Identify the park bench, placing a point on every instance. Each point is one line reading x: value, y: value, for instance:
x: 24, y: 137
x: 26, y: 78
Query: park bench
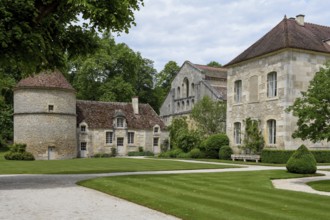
x: 245, y: 157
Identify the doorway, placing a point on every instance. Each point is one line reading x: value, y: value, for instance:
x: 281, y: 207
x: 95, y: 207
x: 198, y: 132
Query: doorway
x: 51, y: 153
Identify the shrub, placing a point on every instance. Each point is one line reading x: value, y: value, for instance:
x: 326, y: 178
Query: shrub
x: 276, y: 156
x: 187, y: 140
x: 196, y: 153
x: 213, y: 143
x: 302, y: 161
x: 225, y: 153
x: 139, y: 153
x: 101, y: 155
x: 17, y: 152
x: 183, y: 155
x: 175, y: 152
x: 140, y: 149
x: 113, y: 152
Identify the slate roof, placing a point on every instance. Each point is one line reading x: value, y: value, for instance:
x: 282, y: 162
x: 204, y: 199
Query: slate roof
x: 100, y: 115
x: 47, y: 79
x: 288, y: 34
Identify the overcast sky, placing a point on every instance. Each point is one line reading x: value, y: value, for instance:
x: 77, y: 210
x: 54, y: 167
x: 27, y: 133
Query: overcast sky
x: 211, y: 30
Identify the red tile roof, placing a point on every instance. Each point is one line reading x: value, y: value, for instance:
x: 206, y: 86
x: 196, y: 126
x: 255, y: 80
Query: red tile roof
x: 100, y: 115
x: 47, y: 79
x: 288, y: 34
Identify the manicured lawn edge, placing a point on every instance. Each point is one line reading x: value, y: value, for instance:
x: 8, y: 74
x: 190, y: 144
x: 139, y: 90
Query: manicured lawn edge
x: 322, y: 185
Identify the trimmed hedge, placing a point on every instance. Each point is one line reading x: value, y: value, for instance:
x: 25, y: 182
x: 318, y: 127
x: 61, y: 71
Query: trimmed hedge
x: 19, y: 156
x: 139, y: 153
x: 212, y: 145
x: 282, y: 156
x: 302, y: 161
x: 225, y: 153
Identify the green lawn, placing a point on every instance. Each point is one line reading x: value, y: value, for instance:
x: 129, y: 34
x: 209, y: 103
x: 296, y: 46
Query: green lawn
x: 322, y: 185
x: 235, y: 195
x: 97, y: 165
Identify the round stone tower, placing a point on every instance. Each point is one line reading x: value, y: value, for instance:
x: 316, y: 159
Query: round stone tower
x: 45, y: 116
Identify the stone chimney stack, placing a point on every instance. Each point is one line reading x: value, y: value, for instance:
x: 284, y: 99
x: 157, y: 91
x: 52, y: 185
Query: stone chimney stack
x: 135, y: 104
x: 300, y: 19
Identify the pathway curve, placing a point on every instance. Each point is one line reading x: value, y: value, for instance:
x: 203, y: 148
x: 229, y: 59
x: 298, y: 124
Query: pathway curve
x: 58, y: 197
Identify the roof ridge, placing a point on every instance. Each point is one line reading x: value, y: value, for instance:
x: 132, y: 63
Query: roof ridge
x: 104, y: 102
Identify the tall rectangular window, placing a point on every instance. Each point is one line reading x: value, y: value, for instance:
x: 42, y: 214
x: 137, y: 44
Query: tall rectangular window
x: 237, y: 132
x: 272, y: 84
x: 238, y: 91
x: 108, y: 137
x: 271, y: 124
x: 83, y: 146
x: 130, y: 136
x: 120, y: 142
x: 120, y: 122
x: 156, y: 140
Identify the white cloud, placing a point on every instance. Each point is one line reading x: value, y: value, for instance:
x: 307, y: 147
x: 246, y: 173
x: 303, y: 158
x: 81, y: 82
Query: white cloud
x: 206, y: 30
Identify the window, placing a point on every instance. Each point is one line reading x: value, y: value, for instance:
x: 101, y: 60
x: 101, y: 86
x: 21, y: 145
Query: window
x: 272, y: 84
x: 156, y: 140
x: 50, y: 108
x: 156, y: 129
x: 192, y: 88
x: 83, y: 146
x: 237, y: 133
x: 271, y: 124
x: 238, y: 91
x: 83, y: 128
x: 253, y: 89
x: 120, y: 122
x: 120, y: 142
x: 130, y: 136
x: 186, y: 84
x: 178, y: 108
x: 178, y: 93
x: 108, y: 137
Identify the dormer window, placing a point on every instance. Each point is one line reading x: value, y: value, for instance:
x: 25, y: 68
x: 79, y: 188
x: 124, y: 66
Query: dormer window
x: 156, y: 129
x: 120, y: 122
x: 83, y: 128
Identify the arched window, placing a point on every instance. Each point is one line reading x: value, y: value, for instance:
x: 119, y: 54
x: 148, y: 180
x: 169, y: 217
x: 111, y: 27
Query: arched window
x: 192, y: 89
x: 178, y: 107
x: 178, y: 93
x: 271, y: 127
x: 237, y: 133
x: 182, y: 105
x: 186, y: 85
x: 272, y: 84
x: 238, y: 91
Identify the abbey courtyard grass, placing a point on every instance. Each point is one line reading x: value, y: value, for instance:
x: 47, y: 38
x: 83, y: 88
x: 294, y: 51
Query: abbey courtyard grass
x: 97, y: 165
x: 322, y: 185
x: 234, y: 195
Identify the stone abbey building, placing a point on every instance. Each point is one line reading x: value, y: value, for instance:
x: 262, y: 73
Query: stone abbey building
x: 54, y: 125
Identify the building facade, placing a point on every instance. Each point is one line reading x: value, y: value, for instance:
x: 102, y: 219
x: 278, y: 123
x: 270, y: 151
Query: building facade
x: 191, y: 84
x: 54, y: 125
x: 267, y: 77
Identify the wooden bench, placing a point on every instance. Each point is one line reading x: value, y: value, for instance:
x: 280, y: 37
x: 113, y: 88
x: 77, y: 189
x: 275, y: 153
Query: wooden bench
x: 245, y: 157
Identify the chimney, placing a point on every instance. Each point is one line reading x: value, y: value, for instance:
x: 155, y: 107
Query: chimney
x: 135, y: 104
x: 300, y: 19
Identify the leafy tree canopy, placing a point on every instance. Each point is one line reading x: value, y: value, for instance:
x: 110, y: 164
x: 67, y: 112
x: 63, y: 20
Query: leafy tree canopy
x: 313, y: 108
x: 210, y: 116
x: 35, y: 34
x: 214, y: 64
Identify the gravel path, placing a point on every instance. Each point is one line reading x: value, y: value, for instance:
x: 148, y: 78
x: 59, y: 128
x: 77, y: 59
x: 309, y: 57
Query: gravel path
x: 58, y: 197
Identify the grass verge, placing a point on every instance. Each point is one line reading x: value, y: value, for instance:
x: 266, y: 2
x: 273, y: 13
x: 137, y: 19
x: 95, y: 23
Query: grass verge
x: 97, y: 165
x: 322, y: 185
x: 235, y: 195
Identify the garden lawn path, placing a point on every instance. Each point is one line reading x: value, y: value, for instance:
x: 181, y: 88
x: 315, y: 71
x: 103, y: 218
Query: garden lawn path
x: 58, y: 197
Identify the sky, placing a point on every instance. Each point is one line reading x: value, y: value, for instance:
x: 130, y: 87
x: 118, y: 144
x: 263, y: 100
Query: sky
x: 211, y: 30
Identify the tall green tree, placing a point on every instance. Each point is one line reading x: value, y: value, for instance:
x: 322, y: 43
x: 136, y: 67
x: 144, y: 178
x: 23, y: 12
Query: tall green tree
x: 313, y: 108
x: 164, y: 79
x: 214, y: 64
x: 36, y: 34
x: 210, y: 116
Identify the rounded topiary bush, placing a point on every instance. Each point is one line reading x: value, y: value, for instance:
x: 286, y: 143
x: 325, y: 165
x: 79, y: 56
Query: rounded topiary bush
x: 225, y: 153
x: 302, y: 161
x: 213, y: 143
x: 196, y: 153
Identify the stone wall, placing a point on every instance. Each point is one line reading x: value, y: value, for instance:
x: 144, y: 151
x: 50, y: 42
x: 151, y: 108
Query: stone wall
x: 294, y: 71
